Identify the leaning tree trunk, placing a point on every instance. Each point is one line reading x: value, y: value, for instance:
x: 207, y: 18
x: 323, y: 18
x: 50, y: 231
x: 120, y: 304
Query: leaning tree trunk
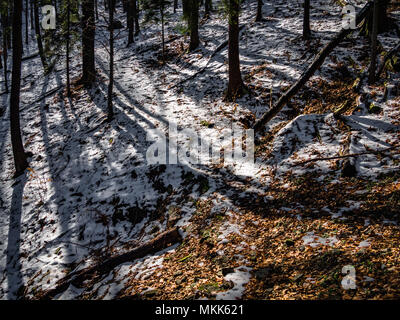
x: 20, y: 160
x: 235, y: 86
x: 39, y: 37
x: 111, y: 79
x: 194, y: 24
x: 374, y: 35
x: 259, y: 10
x: 88, y: 34
x: 306, y: 20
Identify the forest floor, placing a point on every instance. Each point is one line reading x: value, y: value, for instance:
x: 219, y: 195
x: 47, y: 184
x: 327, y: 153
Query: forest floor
x: 275, y: 229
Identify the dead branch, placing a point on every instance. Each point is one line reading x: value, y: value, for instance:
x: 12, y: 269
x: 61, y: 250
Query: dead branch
x: 162, y: 241
x: 352, y: 155
x: 316, y: 64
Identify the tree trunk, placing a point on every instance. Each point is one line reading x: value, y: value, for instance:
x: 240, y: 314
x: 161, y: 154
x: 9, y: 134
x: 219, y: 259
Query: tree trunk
x: 26, y: 22
x: 32, y: 15
x: 39, y: 37
x: 136, y: 16
x: 306, y: 20
x: 374, y: 35
x: 67, y: 47
x: 384, y: 21
x: 207, y: 7
x: 259, y: 10
x: 111, y: 79
x: 88, y: 35
x: 175, y: 5
x: 162, y: 32
x: 235, y: 86
x: 194, y: 24
x: 130, y: 21
x: 5, y: 53
x: 16, y: 140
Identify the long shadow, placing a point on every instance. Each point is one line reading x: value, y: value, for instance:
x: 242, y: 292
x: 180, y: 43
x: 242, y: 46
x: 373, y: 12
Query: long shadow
x: 13, y: 265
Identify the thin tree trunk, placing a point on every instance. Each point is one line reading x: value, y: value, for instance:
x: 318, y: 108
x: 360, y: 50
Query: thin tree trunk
x: 67, y: 49
x: 111, y: 79
x: 374, y: 35
x: 26, y: 22
x: 130, y: 21
x: 194, y: 24
x: 39, y: 37
x: 88, y: 35
x: 32, y: 16
x: 175, y: 5
x: 5, y: 53
x: 20, y: 159
x: 162, y: 32
x: 96, y: 9
x: 207, y: 8
x: 136, y: 16
x: 306, y: 20
x: 235, y: 86
x: 259, y: 10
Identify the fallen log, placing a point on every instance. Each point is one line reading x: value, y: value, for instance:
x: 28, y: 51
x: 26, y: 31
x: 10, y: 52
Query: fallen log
x: 160, y: 242
x: 352, y: 155
x: 316, y: 64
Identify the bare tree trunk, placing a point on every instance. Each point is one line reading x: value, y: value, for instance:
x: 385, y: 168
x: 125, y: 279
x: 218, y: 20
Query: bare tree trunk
x: 194, y: 24
x: 374, y: 35
x: 39, y: 37
x: 306, y: 20
x: 235, y: 86
x: 20, y: 159
x: 26, y: 22
x: 32, y: 16
x: 96, y: 9
x: 88, y: 35
x: 162, y: 32
x: 259, y: 10
x: 111, y: 79
x: 136, y: 16
x: 67, y: 49
x: 130, y: 21
x: 207, y: 8
x: 5, y: 53
x: 175, y: 5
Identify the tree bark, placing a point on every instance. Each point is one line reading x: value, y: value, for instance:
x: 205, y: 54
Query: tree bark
x: 26, y: 22
x: 130, y: 21
x: 20, y: 159
x: 374, y: 35
x: 67, y: 47
x: 259, y: 10
x: 88, y: 35
x: 194, y: 24
x: 5, y: 53
x: 136, y: 16
x: 39, y: 37
x: 207, y: 7
x: 316, y: 64
x: 306, y: 20
x: 162, y: 241
x: 111, y: 79
x: 235, y: 85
